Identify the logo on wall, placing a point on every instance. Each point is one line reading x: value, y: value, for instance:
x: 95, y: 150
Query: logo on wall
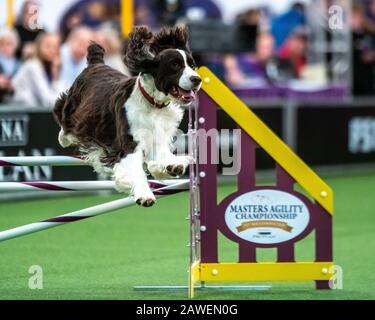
x: 362, y: 135
x: 13, y: 130
x: 267, y: 216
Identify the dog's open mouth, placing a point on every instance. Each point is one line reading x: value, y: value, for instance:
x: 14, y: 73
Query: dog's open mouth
x: 185, y: 96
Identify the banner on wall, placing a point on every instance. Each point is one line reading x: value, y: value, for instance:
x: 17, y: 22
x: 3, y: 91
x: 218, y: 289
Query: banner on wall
x: 35, y: 134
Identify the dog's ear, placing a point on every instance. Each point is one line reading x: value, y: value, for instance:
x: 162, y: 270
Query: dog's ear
x: 171, y: 38
x: 138, y: 55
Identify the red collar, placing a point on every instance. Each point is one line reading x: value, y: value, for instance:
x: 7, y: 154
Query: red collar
x: 150, y: 99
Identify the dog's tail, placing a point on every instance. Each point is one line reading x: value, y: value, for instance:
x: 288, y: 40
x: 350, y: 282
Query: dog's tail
x: 95, y: 54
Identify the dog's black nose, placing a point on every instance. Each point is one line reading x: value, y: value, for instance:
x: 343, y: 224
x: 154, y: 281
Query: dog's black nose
x: 195, y: 80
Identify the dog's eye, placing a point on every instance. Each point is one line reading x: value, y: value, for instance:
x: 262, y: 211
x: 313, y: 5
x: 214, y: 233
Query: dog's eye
x: 191, y: 63
x: 175, y: 64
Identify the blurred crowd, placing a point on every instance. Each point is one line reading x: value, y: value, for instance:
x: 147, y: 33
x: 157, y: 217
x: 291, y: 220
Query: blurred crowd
x: 363, y: 30
x: 36, y: 65
x: 280, y: 48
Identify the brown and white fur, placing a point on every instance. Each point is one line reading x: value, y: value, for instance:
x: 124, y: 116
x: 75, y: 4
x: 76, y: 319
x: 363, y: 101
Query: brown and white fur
x: 119, y: 128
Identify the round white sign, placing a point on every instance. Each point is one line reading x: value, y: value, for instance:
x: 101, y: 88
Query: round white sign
x: 267, y: 216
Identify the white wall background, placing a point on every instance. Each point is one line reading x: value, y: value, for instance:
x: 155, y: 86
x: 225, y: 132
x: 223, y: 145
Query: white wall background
x: 52, y: 10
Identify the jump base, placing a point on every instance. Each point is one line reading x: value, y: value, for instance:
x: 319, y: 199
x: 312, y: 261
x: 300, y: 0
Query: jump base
x: 203, y: 287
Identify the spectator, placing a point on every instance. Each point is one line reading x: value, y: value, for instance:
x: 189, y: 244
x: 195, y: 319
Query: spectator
x: 199, y: 10
x: 248, y: 23
x: 8, y: 62
x: 95, y: 14
x: 363, y: 52
x: 37, y: 81
x: 73, y: 54
x: 72, y: 21
x: 5, y: 85
x: 110, y: 40
x: 168, y: 12
x: 251, y: 65
x: 143, y: 15
x: 294, y: 51
x: 8, y: 45
x: 369, y: 9
x: 284, y: 24
x: 250, y: 17
x: 28, y: 28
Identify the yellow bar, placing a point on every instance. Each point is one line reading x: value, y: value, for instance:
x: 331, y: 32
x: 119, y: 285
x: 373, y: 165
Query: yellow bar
x: 193, y: 278
x: 265, y: 271
x: 266, y: 139
x: 127, y: 17
x: 10, y: 14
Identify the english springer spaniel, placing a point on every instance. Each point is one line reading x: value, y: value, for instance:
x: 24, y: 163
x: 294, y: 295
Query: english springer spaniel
x: 121, y: 124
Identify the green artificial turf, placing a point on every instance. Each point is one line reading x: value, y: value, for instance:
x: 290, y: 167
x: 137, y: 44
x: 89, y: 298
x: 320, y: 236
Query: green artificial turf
x: 104, y: 257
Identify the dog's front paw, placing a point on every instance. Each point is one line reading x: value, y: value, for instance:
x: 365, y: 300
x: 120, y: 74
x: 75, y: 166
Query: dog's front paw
x: 157, y: 170
x: 144, y: 202
x: 171, y: 168
x: 144, y: 198
x: 179, y: 165
x: 176, y: 170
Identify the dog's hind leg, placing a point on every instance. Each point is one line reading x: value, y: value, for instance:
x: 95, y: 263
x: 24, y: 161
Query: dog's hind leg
x: 130, y: 177
x: 94, y: 157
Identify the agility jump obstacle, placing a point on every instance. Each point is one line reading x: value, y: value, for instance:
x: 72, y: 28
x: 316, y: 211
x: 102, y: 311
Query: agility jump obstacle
x: 273, y: 216
x: 236, y: 217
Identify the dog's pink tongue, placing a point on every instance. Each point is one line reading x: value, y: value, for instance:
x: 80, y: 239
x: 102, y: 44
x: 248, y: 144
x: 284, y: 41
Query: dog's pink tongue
x: 187, y: 95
